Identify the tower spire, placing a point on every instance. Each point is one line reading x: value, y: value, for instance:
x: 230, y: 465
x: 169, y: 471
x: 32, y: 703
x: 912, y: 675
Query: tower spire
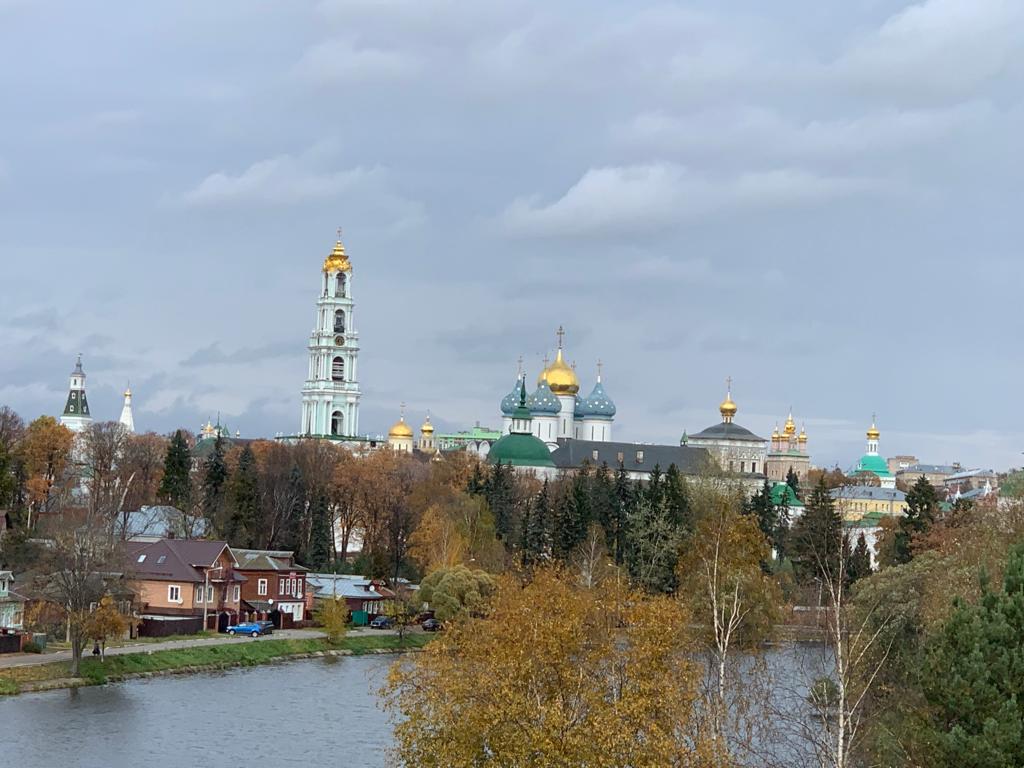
x: 127, y: 420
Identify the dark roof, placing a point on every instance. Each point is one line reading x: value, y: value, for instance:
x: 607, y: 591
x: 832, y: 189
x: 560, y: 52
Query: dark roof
x: 179, y: 558
x: 266, y: 560
x: 204, y: 447
x: 571, y: 454
x: 727, y: 431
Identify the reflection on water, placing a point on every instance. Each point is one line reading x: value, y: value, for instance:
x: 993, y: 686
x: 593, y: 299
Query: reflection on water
x: 309, y: 713
x: 302, y: 713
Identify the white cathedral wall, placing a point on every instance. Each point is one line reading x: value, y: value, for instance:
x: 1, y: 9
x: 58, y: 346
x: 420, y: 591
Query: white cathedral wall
x: 565, y: 419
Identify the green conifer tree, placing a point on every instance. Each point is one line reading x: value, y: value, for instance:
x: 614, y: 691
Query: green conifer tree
x: 677, y: 500
x: 214, y: 486
x: 243, y: 519
x: 321, y: 543
x: 974, y: 677
x: 293, y: 527
x: 860, y: 561
x: 922, y: 511
x: 793, y: 482
x: 176, y: 487
x: 537, y: 530
x: 570, y: 525
x: 816, y: 543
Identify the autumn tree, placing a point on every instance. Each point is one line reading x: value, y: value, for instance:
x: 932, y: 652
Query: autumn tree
x: 143, y: 460
x: 45, y: 451
x: 332, y: 615
x: 731, y: 598
x: 104, y: 623
x: 586, y: 692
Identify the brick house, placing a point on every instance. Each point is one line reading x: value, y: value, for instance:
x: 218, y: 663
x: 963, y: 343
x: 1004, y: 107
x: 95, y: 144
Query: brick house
x: 180, y: 583
x: 275, y: 586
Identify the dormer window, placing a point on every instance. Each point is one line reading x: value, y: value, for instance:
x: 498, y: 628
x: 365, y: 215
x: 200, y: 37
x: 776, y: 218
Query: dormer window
x: 142, y: 559
x: 639, y: 457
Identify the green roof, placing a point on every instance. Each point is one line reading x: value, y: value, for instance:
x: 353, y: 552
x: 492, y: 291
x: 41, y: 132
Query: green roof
x: 783, y: 494
x: 520, y: 450
x: 874, y: 464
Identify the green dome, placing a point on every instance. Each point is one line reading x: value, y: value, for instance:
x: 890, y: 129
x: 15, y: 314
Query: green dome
x: 874, y: 464
x: 520, y: 450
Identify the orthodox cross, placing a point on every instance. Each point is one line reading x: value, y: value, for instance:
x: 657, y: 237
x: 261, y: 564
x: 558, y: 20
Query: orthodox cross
x: 339, y: 233
x: 600, y: 365
x: 728, y: 384
x: 560, y: 333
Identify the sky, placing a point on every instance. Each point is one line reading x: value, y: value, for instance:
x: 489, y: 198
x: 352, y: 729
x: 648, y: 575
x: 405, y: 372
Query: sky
x: 819, y: 200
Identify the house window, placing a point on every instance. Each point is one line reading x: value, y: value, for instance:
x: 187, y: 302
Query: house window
x: 162, y: 559
x: 261, y: 587
x: 291, y: 587
x: 298, y: 588
x: 236, y: 593
x: 753, y: 467
x: 280, y: 586
x: 209, y: 594
x: 621, y: 457
x: 199, y: 595
x: 142, y: 558
x: 173, y: 593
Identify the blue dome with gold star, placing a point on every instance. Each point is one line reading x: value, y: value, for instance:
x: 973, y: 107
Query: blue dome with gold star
x: 598, y: 404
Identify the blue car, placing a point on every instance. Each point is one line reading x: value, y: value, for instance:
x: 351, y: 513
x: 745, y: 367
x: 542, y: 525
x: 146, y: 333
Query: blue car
x: 381, y: 622
x: 251, y: 628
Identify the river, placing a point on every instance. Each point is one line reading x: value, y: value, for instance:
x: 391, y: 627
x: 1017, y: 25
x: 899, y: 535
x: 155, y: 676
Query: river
x: 308, y: 713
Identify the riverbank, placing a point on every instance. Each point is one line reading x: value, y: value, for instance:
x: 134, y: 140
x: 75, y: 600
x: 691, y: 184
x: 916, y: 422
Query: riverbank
x: 43, y: 677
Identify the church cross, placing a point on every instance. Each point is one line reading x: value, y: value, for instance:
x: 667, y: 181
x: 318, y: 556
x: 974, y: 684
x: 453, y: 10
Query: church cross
x: 339, y: 234
x: 728, y: 384
x: 600, y: 366
x: 560, y: 333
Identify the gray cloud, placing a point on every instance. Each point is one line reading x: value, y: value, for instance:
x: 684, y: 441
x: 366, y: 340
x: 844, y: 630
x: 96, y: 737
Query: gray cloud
x: 214, y: 355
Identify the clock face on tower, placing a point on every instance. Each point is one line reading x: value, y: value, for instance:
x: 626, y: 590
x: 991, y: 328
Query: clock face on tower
x: 339, y: 340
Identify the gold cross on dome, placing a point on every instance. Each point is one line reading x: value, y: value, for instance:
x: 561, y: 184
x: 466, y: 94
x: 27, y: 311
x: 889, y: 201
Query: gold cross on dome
x: 402, y: 407
x: 560, y: 333
x: 339, y: 233
x: 600, y: 366
x: 728, y: 384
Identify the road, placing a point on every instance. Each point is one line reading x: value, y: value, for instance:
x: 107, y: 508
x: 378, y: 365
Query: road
x: 30, y: 659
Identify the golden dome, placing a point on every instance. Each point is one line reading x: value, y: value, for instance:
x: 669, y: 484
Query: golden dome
x: 790, y: 427
x: 727, y: 408
x: 337, y: 261
x: 775, y: 433
x: 873, y: 433
x: 803, y: 435
x: 400, y: 429
x: 560, y: 377
x: 427, y: 428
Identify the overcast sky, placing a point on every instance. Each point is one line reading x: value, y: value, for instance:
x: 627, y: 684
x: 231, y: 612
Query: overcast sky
x: 821, y: 200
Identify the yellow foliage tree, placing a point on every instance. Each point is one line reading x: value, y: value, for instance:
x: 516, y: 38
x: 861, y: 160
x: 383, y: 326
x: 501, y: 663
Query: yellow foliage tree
x: 554, y: 675
x: 332, y: 615
x: 105, y: 622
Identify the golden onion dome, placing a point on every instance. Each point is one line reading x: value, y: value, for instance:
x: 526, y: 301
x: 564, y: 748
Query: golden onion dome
x: 873, y: 433
x: 775, y: 433
x: 790, y: 427
x: 728, y: 408
x: 561, y: 377
x: 337, y: 261
x: 400, y: 429
x: 803, y: 435
x: 427, y: 428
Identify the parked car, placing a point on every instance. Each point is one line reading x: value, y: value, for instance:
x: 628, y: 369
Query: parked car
x: 423, y: 616
x: 431, y: 625
x: 251, y: 628
x: 267, y: 627
x: 382, y: 622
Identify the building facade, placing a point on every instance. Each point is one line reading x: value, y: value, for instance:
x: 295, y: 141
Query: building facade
x: 76, y: 416
x: 871, y: 464
x: 787, y: 453
x: 736, y: 449
x: 273, y: 583
x: 330, y: 397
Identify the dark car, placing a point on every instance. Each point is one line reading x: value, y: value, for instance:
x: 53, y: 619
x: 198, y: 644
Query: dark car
x: 267, y: 627
x: 431, y: 625
x: 382, y: 622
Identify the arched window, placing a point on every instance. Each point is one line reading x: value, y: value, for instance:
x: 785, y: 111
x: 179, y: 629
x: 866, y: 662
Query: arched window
x: 337, y: 422
x: 339, y: 321
x: 338, y: 369
x: 339, y: 285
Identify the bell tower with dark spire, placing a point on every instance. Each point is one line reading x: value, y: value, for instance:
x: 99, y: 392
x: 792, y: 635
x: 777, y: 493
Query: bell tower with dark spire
x: 76, y: 416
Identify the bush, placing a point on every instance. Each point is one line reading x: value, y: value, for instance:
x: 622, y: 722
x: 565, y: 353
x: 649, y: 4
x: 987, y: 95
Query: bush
x: 31, y: 647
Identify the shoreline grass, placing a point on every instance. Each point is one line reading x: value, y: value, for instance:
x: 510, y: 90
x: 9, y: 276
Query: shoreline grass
x: 202, y: 658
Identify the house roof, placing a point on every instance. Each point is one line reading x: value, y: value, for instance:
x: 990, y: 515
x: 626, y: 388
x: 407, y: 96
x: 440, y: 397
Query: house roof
x: 572, y: 454
x: 175, y: 559
x: 931, y: 469
x: 343, y: 585
x: 867, y: 493
x: 266, y: 560
x: 159, y: 521
x: 783, y: 494
x: 727, y: 430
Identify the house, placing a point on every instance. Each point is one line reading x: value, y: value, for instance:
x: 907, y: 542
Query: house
x: 274, y: 586
x: 364, y: 597
x: 184, y: 585
x: 854, y: 502
x: 12, y: 605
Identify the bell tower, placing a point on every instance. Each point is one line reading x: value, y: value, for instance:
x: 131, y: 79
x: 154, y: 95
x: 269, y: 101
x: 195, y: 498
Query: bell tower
x: 76, y: 416
x: 330, y: 397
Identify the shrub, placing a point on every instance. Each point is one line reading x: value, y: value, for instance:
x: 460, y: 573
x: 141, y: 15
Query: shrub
x: 31, y: 647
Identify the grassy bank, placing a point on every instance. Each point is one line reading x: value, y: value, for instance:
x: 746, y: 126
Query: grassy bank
x: 245, y: 654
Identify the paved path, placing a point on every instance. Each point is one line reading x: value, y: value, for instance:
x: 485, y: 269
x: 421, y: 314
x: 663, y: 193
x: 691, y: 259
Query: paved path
x: 30, y: 659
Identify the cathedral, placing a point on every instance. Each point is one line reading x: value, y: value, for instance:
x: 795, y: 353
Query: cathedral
x: 330, y: 396
x: 788, y: 452
x: 557, y: 412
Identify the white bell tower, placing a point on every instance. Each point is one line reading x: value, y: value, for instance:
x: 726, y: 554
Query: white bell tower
x: 330, y: 397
